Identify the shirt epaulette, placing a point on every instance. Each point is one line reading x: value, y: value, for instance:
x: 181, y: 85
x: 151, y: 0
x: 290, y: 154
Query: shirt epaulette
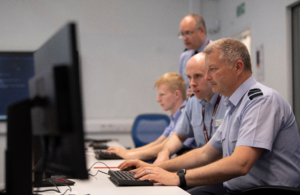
x: 254, y: 93
x: 181, y: 109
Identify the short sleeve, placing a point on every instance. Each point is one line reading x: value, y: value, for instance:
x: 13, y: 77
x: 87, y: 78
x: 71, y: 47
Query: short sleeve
x: 216, y: 140
x: 259, y: 123
x: 183, y: 127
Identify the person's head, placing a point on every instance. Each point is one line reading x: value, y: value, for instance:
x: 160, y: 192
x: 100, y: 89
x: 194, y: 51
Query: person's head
x: 228, y: 65
x: 192, y: 31
x: 195, y: 71
x: 171, y: 91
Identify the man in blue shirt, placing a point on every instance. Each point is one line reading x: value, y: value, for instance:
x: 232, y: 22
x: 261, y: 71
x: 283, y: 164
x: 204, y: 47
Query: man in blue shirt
x: 202, y: 115
x: 193, y: 33
x: 171, y: 94
x: 258, y: 142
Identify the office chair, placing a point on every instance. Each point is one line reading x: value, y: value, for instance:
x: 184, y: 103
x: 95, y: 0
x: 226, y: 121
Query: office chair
x: 148, y: 127
x: 271, y: 190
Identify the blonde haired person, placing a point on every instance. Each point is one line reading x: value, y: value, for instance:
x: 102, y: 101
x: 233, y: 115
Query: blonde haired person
x: 257, y: 143
x: 171, y: 95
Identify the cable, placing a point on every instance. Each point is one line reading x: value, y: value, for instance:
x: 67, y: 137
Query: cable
x: 48, y: 190
x: 98, y: 170
x: 66, y: 191
x: 54, y: 185
x: 96, y: 163
x: 58, y: 191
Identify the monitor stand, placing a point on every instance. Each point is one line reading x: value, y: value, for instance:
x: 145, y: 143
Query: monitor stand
x: 18, y: 160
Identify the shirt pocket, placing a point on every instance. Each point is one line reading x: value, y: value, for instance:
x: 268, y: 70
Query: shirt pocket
x: 196, y: 122
x: 234, y: 133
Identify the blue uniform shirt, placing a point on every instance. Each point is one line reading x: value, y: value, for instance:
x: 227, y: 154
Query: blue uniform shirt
x: 169, y: 130
x: 258, y: 116
x: 185, y: 56
x: 190, y: 123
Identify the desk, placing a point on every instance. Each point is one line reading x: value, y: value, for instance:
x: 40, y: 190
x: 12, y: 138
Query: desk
x: 102, y: 185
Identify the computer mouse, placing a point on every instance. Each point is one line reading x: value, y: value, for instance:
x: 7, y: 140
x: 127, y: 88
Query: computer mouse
x: 129, y: 168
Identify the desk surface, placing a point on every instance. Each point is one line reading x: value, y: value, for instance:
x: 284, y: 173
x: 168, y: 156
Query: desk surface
x: 100, y: 184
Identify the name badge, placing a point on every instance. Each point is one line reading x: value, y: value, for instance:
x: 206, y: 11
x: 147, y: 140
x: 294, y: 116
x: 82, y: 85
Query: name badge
x: 219, y: 122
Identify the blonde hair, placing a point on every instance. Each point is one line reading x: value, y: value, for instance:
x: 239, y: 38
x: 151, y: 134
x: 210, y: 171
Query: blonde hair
x: 174, y: 81
x: 231, y: 50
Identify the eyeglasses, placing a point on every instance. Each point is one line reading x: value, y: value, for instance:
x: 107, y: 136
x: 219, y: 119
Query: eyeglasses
x: 186, y: 34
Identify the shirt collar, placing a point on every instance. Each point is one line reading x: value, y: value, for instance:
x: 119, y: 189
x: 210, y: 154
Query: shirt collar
x: 201, y: 48
x: 211, y: 102
x: 178, y: 112
x: 241, y: 90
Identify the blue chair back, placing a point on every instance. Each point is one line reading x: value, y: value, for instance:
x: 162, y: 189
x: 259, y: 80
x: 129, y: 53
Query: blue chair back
x: 148, y: 127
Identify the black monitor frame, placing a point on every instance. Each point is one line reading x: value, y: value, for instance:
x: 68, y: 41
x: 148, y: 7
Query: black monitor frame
x: 53, y: 115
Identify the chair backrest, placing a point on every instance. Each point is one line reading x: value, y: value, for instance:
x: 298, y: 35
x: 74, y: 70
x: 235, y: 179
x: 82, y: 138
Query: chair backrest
x: 148, y: 127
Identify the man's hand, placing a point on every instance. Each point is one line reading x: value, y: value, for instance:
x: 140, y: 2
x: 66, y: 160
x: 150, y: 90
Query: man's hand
x: 118, y: 150
x: 162, y: 156
x: 158, y: 175
x: 134, y: 163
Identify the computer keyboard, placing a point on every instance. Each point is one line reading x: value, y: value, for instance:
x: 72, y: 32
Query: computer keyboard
x: 125, y: 178
x: 99, y: 145
x: 100, y: 155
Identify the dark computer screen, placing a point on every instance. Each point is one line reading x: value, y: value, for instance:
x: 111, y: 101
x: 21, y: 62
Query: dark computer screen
x: 56, y: 111
x: 45, y: 131
x: 15, y: 70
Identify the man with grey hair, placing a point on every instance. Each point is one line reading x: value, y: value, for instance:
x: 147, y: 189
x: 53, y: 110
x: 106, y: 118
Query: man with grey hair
x: 256, y: 145
x: 193, y: 33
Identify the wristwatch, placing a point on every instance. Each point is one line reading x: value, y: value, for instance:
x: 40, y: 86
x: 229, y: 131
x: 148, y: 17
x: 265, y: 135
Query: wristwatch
x: 181, y: 174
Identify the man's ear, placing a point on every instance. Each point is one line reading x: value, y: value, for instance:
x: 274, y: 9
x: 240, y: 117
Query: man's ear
x: 177, y: 94
x: 239, y: 67
x: 202, y: 30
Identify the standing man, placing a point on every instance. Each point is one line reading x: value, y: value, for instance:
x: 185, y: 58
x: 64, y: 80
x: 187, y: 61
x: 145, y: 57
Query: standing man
x: 193, y: 33
x: 171, y: 95
x: 258, y: 142
x: 202, y: 115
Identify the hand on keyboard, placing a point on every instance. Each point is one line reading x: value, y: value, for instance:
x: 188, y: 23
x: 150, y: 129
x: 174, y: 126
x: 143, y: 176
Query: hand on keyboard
x: 117, y: 150
x: 136, y: 163
x: 100, y: 155
x: 125, y: 178
x: 158, y: 175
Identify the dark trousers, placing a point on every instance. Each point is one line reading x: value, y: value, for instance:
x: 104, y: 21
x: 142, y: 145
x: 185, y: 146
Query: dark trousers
x: 216, y: 189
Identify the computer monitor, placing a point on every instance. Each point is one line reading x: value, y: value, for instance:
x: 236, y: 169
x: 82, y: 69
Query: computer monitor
x: 16, y: 67
x: 56, y: 111
x: 53, y: 114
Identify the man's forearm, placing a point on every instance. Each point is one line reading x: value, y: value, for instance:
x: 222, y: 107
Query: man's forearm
x: 195, y: 158
x: 158, y: 141
x: 238, y: 164
x: 149, y: 153
x: 174, y: 144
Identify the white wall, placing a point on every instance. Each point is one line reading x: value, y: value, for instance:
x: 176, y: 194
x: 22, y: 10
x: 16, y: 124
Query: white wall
x: 269, y: 24
x: 124, y: 45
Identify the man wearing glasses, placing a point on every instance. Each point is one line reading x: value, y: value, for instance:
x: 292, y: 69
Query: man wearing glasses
x: 193, y: 33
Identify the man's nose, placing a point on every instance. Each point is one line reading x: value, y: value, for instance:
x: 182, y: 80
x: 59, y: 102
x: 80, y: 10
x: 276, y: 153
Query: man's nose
x: 158, y: 99
x: 192, y: 82
x: 207, y: 76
